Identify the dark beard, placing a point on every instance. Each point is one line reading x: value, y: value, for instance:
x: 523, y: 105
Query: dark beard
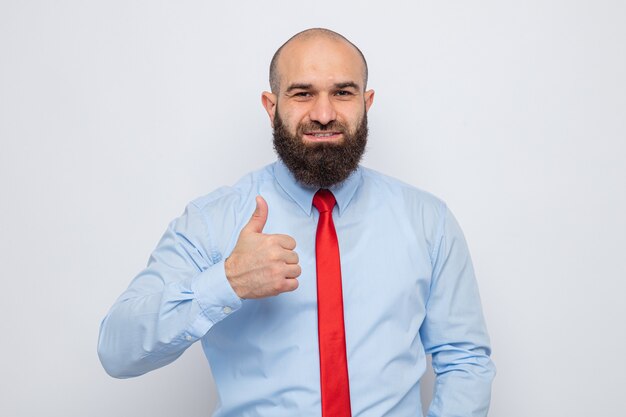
x: 320, y: 165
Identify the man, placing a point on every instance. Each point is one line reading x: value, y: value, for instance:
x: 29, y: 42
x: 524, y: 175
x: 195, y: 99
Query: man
x: 341, y: 326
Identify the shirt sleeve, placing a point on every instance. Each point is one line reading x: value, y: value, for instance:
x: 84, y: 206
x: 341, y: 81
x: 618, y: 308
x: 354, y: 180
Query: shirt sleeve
x: 454, y: 330
x: 169, y: 305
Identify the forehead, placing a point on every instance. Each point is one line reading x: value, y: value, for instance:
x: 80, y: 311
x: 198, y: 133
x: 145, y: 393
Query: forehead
x: 319, y: 61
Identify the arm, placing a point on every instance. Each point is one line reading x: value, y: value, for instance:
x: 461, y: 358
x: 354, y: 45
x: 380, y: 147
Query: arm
x: 454, y: 330
x: 184, y: 291
x: 172, y: 303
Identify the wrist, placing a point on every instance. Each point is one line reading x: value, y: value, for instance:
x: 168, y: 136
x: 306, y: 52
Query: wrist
x: 230, y: 276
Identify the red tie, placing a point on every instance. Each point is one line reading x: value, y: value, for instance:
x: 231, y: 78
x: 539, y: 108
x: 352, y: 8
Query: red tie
x: 332, y: 339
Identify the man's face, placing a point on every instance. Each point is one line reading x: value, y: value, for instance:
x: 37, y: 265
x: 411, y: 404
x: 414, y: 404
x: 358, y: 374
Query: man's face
x: 319, y: 112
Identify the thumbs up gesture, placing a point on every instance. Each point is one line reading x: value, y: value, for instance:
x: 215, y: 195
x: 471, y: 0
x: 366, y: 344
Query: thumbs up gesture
x: 262, y: 265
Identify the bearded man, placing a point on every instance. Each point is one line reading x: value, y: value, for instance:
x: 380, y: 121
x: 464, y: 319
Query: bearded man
x: 340, y: 327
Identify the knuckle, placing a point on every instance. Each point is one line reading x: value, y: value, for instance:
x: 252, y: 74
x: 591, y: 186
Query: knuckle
x: 291, y: 242
x: 275, y: 269
x: 277, y: 288
x: 291, y: 284
x: 277, y: 254
x: 293, y: 271
x: 272, y: 255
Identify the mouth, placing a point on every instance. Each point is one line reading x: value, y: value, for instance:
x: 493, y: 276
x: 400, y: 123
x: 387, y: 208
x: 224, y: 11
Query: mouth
x: 331, y: 136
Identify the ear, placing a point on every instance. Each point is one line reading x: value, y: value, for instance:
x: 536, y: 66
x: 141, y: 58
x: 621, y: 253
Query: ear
x: 269, y: 102
x: 369, y: 99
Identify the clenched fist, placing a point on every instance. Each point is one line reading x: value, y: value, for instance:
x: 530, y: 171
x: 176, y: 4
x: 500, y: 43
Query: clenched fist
x: 262, y: 265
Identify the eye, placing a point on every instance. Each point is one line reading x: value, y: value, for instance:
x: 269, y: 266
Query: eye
x: 343, y: 93
x: 302, y: 94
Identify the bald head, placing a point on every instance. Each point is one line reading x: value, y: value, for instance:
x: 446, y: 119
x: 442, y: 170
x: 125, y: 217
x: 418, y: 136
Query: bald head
x: 300, y: 39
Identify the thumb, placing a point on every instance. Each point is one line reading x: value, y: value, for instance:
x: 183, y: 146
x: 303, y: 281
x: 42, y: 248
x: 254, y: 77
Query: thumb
x: 259, y: 217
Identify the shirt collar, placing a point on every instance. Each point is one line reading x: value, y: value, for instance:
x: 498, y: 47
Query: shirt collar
x: 303, y: 195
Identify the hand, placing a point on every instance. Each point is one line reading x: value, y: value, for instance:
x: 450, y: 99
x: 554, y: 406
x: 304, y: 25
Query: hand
x: 262, y: 265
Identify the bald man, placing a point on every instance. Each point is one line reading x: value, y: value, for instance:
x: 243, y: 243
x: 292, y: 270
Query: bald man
x: 316, y: 286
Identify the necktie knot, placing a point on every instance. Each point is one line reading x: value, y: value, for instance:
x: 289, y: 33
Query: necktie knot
x: 324, y: 200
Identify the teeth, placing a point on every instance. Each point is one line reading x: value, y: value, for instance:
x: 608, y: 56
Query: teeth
x: 323, y: 135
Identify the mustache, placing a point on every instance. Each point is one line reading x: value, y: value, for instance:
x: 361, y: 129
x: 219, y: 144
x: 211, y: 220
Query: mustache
x: 333, y: 126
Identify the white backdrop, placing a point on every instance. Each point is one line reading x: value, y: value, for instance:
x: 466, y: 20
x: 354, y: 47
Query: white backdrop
x: 114, y: 114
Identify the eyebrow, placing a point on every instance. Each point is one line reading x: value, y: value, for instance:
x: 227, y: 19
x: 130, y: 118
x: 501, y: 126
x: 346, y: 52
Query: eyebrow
x: 298, y: 86
x: 347, y: 84
x: 304, y: 86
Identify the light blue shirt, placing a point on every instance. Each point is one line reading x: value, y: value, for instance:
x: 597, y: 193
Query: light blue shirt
x: 408, y: 286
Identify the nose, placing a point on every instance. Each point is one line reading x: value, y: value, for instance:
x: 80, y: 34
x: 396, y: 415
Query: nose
x: 323, y: 110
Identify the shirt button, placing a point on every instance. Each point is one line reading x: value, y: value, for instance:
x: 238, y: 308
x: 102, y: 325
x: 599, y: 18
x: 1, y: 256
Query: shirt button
x: 188, y: 338
x: 227, y: 310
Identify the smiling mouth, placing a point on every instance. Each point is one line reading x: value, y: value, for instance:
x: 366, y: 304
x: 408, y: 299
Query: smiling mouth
x: 322, y: 136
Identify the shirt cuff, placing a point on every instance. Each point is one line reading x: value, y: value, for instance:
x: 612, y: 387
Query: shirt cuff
x: 214, y: 294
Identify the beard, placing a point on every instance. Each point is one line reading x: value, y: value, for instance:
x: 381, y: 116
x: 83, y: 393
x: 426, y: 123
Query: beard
x: 320, y: 165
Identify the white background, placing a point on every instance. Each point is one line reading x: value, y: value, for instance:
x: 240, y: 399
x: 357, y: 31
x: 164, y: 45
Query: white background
x: 114, y: 114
